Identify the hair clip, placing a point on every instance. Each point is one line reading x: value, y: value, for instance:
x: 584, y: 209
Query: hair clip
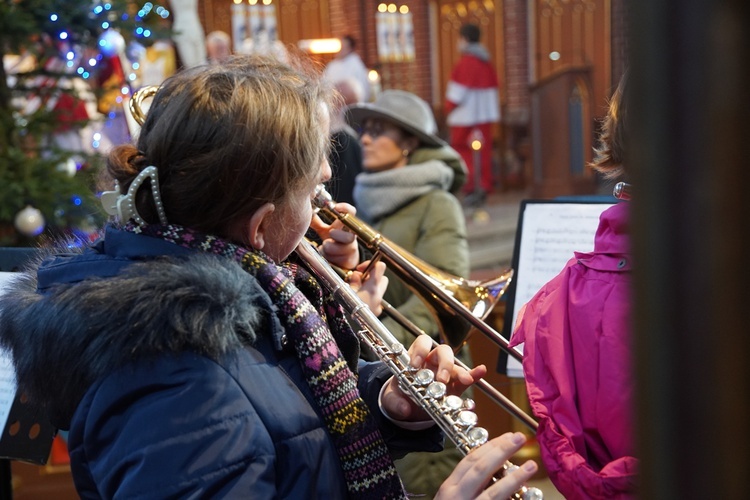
x: 123, y: 205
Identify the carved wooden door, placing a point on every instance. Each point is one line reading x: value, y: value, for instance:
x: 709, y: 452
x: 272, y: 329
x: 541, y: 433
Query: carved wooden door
x: 573, y: 34
x: 451, y: 14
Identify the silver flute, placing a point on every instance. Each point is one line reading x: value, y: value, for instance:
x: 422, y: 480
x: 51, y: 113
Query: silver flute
x: 454, y: 415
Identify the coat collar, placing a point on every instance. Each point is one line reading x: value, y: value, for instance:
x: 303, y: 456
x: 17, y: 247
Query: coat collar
x: 611, y: 243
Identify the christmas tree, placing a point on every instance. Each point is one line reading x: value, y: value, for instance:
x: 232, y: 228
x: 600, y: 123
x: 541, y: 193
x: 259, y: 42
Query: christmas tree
x: 59, y: 57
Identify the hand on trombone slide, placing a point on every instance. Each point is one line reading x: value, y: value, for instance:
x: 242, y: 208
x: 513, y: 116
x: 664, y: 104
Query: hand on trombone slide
x: 339, y: 247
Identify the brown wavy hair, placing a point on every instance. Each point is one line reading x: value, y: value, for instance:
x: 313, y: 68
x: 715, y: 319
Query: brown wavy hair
x: 610, y: 154
x: 226, y: 139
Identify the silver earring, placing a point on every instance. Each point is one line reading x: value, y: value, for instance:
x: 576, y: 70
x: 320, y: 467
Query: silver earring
x: 405, y: 152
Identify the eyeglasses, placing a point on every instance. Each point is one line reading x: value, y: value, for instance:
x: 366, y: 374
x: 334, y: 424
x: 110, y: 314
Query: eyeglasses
x: 377, y: 128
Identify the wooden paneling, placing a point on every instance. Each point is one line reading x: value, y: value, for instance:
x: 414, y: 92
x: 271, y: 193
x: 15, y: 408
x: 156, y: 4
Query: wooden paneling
x: 216, y: 15
x: 573, y: 33
x: 296, y: 19
x: 303, y: 19
x: 562, y: 134
x: 452, y: 14
x: 39, y: 482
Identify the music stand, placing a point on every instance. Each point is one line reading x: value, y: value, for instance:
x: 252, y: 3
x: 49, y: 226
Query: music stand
x: 547, y: 235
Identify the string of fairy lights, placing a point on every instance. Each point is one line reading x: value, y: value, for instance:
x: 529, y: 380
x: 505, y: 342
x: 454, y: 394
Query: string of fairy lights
x: 80, y: 61
x: 106, y: 42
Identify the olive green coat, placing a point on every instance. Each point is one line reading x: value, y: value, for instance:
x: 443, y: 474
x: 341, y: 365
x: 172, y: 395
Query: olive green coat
x: 431, y: 227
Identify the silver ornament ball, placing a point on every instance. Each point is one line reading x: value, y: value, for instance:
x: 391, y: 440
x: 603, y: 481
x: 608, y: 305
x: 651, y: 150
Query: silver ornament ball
x: 29, y: 221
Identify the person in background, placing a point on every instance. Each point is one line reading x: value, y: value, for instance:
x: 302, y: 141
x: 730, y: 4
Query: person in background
x: 218, y: 46
x: 406, y: 193
x: 346, y: 152
x: 348, y: 64
x: 472, y: 106
x: 577, y: 352
x: 189, y: 37
x: 196, y: 356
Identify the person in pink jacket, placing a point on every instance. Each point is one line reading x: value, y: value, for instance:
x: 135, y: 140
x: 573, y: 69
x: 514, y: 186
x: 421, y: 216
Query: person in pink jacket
x: 577, y: 352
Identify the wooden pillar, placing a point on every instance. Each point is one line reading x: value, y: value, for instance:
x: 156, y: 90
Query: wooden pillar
x: 691, y: 234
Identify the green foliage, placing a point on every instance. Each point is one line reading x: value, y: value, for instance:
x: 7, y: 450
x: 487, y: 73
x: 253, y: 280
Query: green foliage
x: 67, y: 202
x: 32, y: 168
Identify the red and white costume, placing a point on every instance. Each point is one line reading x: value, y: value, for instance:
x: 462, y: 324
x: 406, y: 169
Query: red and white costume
x: 472, y: 103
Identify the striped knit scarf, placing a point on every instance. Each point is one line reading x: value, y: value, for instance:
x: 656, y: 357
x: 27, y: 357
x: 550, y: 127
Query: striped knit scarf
x: 309, y: 319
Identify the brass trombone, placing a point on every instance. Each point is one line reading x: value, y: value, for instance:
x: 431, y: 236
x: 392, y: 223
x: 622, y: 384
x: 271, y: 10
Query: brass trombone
x: 440, y: 291
x: 459, y: 304
x: 488, y: 389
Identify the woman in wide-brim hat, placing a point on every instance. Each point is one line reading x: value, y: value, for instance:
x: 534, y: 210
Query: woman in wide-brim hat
x: 413, y: 117
x: 406, y: 192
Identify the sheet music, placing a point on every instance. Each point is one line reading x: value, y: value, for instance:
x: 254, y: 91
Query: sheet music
x: 550, y: 234
x: 7, y: 374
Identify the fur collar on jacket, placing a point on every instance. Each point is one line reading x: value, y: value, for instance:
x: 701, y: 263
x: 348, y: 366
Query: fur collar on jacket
x: 65, y: 340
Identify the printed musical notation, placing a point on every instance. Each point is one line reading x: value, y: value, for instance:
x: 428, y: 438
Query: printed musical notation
x: 550, y: 234
x: 7, y: 374
x: 7, y: 387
